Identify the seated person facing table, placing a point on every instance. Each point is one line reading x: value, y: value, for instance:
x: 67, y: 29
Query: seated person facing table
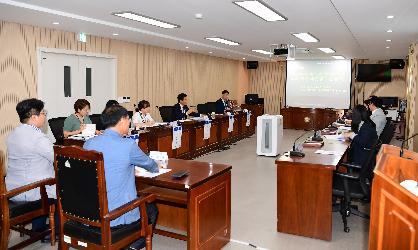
x: 111, y: 103
x: 30, y: 155
x: 121, y: 155
x: 142, y: 117
x: 75, y: 123
x: 365, y: 135
x: 374, y: 104
x: 223, y: 104
x: 181, y: 111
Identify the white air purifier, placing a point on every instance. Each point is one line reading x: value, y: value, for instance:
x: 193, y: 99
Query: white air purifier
x: 269, y: 134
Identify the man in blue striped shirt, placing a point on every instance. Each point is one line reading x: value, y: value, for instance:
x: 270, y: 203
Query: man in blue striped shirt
x: 121, y: 155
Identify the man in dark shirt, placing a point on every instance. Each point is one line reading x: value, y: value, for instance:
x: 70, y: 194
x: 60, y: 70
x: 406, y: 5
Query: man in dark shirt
x: 222, y: 104
x: 180, y: 109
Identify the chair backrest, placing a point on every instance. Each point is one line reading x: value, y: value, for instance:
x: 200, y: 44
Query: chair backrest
x: 387, y: 133
x: 211, y: 107
x: 2, y: 173
x: 166, y: 113
x: 130, y: 113
x: 95, y: 119
x: 202, y: 108
x: 81, y: 186
x: 57, y: 128
x: 366, y: 171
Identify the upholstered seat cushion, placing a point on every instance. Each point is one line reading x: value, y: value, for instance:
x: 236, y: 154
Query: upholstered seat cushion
x: 93, y: 234
x: 17, y: 208
x: 356, y: 191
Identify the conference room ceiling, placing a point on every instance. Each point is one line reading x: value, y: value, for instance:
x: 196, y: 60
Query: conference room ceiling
x: 354, y: 29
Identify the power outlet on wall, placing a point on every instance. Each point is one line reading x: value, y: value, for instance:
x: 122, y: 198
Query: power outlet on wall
x: 124, y: 99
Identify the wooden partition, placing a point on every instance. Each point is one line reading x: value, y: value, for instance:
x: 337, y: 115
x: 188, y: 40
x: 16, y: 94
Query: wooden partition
x: 394, y: 210
x: 307, y: 118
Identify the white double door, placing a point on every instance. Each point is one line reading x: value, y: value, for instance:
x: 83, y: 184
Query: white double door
x: 66, y: 77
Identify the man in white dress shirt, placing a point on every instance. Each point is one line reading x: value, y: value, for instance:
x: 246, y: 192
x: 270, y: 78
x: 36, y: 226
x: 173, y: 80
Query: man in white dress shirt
x: 378, y: 115
x: 30, y: 154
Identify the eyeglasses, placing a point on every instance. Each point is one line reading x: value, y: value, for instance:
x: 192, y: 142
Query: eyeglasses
x: 44, y: 112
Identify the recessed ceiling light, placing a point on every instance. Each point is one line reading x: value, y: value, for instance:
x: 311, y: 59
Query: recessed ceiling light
x: 262, y: 51
x: 387, y: 47
x: 243, y: 58
x: 306, y: 37
x: 210, y: 52
x: 55, y: 23
x: 222, y: 40
x: 145, y: 19
x: 389, y: 31
x: 187, y: 47
x: 115, y: 34
x: 390, y: 17
x: 388, y: 40
x: 261, y: 10
x: 327, y: 50
x: 338, y: 57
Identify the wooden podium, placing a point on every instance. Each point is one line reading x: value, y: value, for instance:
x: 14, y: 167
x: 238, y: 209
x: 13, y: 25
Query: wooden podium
x: 307, y: 118
x: 394, y: 210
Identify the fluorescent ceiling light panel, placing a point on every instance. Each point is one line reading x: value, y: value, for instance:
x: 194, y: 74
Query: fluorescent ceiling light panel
x: 222, y: 40
x: 261, y: 10
x: 338, y: 57
x: 390, y: 17
x: 145, y: 19
x: 327, y: 50
x: 262, y: 51
x: 306, y: 37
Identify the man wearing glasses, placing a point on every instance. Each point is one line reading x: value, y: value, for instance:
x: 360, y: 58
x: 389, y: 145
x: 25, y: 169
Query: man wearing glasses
x: 30, y: 154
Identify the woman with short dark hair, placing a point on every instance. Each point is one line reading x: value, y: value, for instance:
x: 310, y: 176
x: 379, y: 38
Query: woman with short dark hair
x: 366, y: 136
x: 142, y: 117
x: 75, y: 123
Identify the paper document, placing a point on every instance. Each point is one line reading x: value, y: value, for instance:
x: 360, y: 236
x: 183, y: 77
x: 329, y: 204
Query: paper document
x: 144, y: 173
x: 328, y: 152
x: 81, y: 137
x: 335, y: 137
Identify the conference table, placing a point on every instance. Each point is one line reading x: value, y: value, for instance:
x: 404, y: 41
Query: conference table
x: 193, y: 144
x: 198, y: 204
x: 304, y: 190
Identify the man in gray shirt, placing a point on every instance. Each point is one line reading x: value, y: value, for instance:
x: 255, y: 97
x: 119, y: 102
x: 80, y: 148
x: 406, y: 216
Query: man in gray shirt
x: 378, y: 115
x: 30, y: 154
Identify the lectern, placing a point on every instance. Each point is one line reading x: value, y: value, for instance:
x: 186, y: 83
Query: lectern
x: 394, y: 210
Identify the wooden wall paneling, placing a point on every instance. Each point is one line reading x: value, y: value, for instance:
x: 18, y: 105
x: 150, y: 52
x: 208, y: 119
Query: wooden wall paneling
x: 412, y: 108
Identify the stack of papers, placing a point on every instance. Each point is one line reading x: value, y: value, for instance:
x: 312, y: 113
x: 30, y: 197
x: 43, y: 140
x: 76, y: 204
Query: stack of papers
x: 328, y: 152
x: 144, y: 173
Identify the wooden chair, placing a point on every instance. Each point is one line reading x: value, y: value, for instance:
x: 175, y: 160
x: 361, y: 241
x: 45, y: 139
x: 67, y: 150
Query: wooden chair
x: 83, y: 208
x: 16, y: 215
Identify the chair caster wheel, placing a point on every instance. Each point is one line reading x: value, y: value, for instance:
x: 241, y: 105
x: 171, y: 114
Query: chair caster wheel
x: 347, y: 229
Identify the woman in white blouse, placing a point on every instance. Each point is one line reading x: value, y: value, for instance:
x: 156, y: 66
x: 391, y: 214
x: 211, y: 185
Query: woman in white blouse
x: 142, y: 117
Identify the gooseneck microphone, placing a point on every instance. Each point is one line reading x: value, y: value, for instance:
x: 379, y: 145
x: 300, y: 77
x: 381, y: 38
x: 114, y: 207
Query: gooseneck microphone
x: 293, y: 152
x: 403, y: 143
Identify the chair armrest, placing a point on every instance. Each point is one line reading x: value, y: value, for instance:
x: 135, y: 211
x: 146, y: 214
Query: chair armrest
x: 129, y: 206
x: 347, y: 176
x: 350, y: 165
x: 25, y: 188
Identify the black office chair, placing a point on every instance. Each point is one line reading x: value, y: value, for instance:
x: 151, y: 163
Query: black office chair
x: 211, y: 107
x: 57, y: 128
x: 95, y: 119
x: 348, y: 186
x: 388, y: 132
x: 166, y: 113
x: 202, y: 108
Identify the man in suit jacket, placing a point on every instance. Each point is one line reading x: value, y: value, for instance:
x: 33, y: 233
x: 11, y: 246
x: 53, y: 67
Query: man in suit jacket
x: 222, y: 104
x: 180, y: 109
x: 377, y: 114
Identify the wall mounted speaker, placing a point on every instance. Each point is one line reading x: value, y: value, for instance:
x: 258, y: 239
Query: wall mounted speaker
x: 252, y: 64
x: 397, y: 63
